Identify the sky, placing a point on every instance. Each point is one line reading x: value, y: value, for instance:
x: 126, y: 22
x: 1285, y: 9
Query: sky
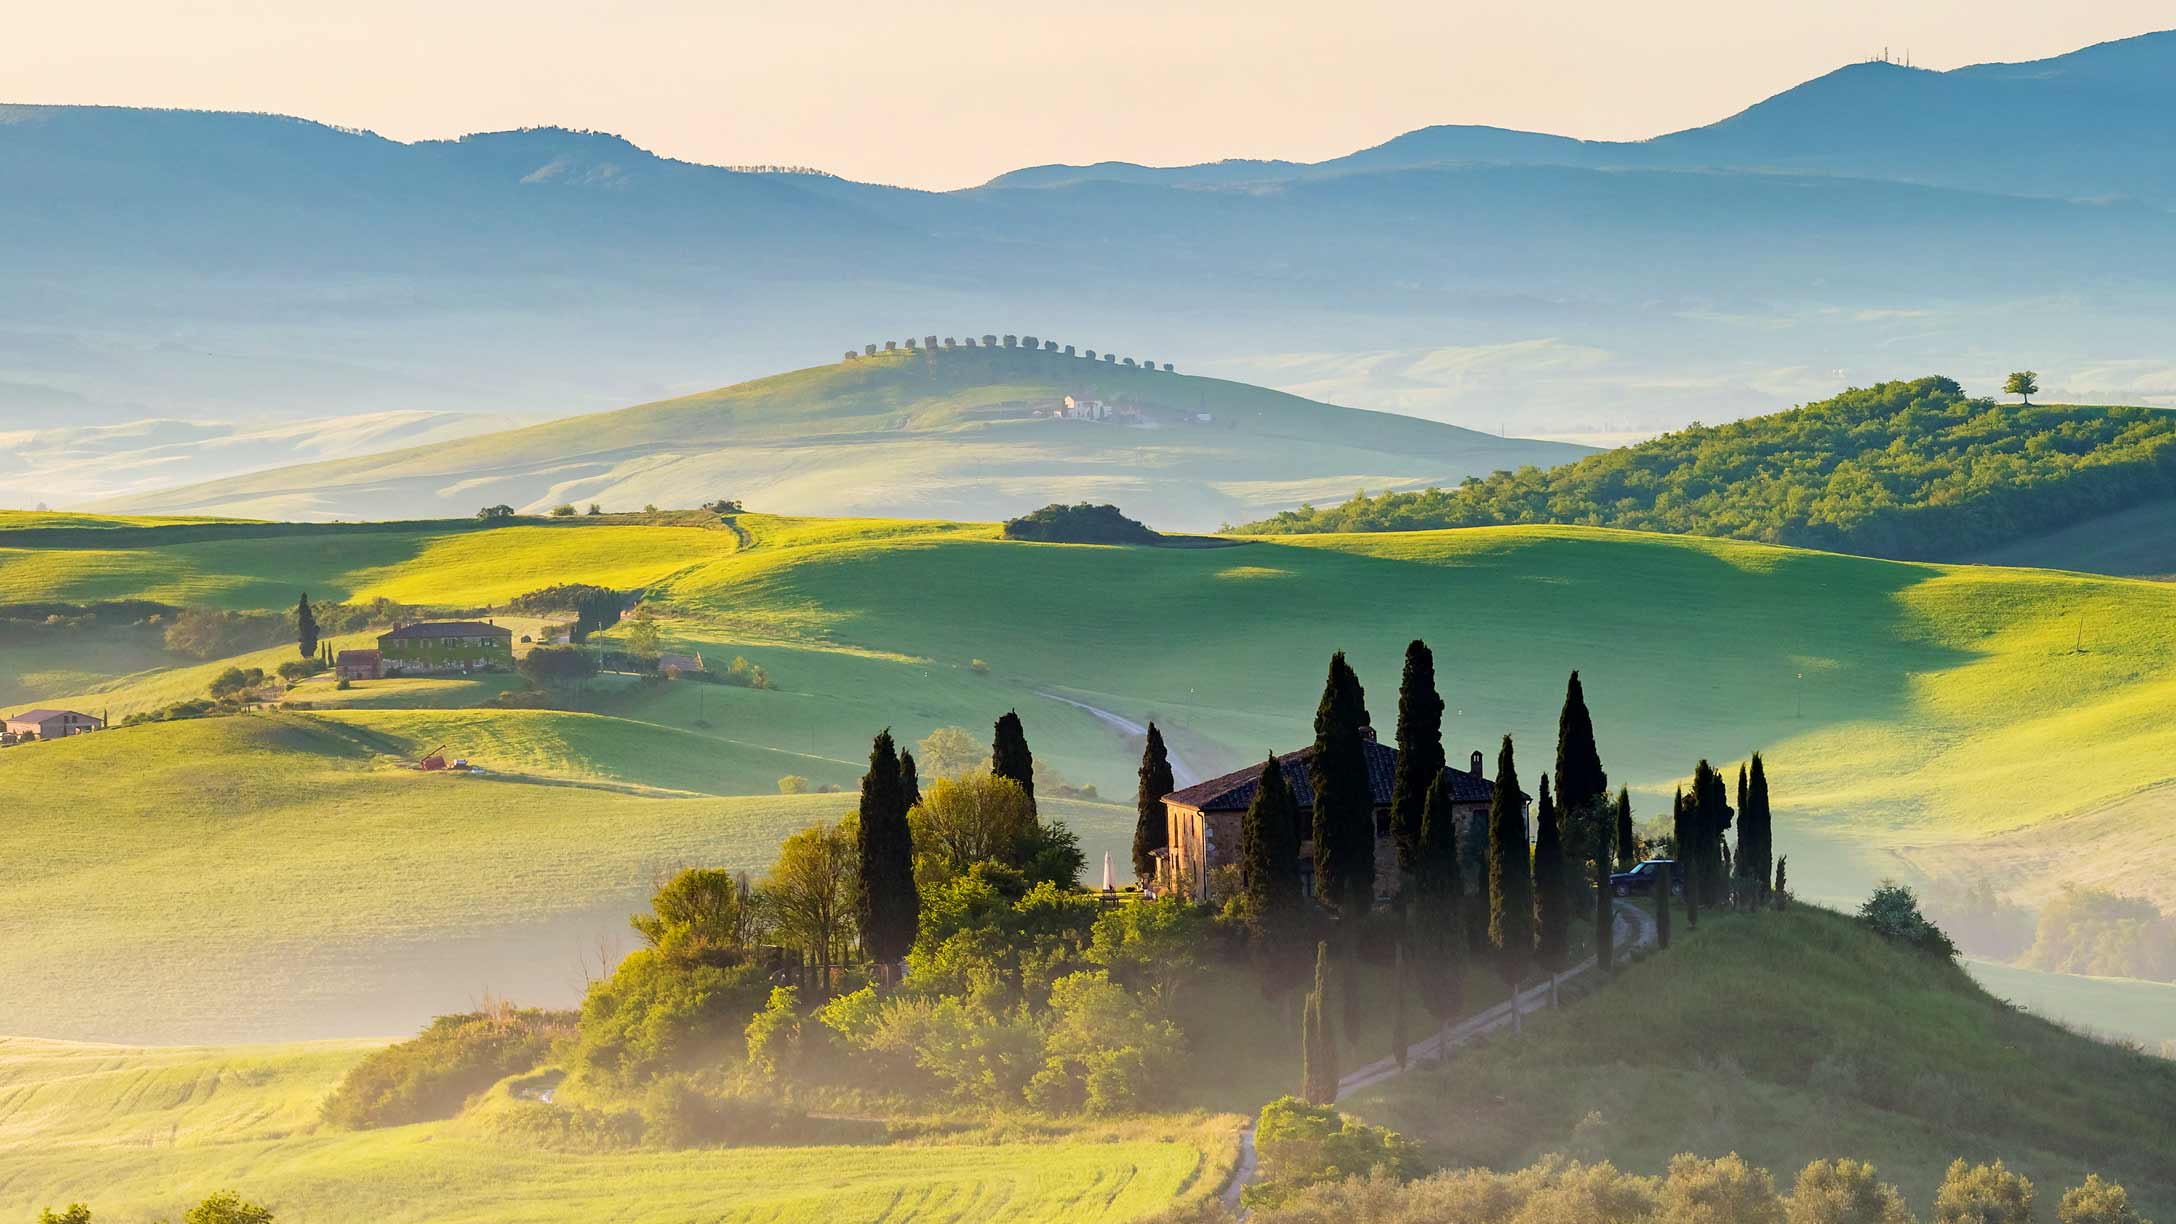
x: 947, y: 93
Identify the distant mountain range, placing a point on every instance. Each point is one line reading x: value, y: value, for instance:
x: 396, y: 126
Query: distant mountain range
x: 954, y: 432
x: 1879, y: 220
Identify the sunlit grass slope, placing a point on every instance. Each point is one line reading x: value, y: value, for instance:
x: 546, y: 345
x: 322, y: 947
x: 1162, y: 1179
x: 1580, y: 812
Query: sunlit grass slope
x: 911, y: 434
x: 140, y: 1134
x: 1791, y: 1037
x: 280, y: 876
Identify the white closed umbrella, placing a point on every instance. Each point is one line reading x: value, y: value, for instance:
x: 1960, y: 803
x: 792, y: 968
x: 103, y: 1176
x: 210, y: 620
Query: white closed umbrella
x: 1107, y: 887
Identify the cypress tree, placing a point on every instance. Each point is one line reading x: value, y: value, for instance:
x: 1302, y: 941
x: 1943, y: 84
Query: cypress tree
x: 1151, y: 828
x: 1510, y: 874
x: 1398, y: 1039
x: 1627, y: 842
x: 1552, y: 909
x: 1756, y: 818
x: 910, y: 786
x: 1437, y: 917
x: 305, y: 627
x: 1581, y: 785
x: 887, y: 904
x: 1009, y: 755
x: 1269, y: 851
x: 1344, y: 802
x: 1420, y: 749
x: 1662, y: 907
x: 1605, y: 910
x: 1684, y: 837
x: 1710, y: 800
x: 1318, y: 1045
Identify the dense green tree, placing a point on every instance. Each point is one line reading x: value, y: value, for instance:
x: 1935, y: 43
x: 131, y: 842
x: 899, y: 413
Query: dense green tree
x: 1628, y: 847
x: 2024, y: 384
x: 1709, y: 820
x: 305, y: 627
x: 1913, y: 470
x: 2097, y: 1201
x: 1009, y: 755
x: 1685, y: 838
x: 1151, y: 826
x: 1552, y: 887
x: 808, y: 895
x: 886, y: 903
x: 1510, y: 874
x: 1269, y: 853
x: 1420, y: 749
x: 227, y: 1207
x: 1662, y: 906
x: 1344, y: 802
x: 1318, y: 1044
x: 697, y: 915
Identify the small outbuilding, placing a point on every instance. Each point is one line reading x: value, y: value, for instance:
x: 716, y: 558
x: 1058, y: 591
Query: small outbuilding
x: 359, y: 665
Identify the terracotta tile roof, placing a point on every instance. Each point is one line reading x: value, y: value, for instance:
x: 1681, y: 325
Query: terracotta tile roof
x: 1235, y: 791
x: 446, y: 629
x: 39, y: 716
x: 358, y: 656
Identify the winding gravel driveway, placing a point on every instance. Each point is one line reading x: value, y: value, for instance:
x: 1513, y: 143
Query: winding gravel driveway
x: 1533, y: 999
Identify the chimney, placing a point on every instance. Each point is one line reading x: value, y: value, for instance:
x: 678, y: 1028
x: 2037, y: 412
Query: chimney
x: 1476, y: 770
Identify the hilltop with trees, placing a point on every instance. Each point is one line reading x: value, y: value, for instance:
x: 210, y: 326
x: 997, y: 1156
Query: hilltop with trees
x: 1908, y: 470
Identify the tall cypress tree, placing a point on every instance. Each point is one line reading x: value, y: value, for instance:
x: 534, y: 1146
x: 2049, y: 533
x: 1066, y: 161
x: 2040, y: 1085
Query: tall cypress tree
x: 1344, y: 802
x: 1685, y: 837
x: 910, y: 784
x: 1552, y: 892
x: 305, y: 627
x: 1437, y: 916
x: 887, y: 904
x: 1605, y: 910
x: 1662, y: 907
x: 1581, y: 784
x: 1269, y: 852
x: 1627, y: 841
x: 1756, y: 818
x: 1151, y: 827
x: 1318, y: 1044
x: 1420, y: 749
x: 1510, y: 874
x: 1711, y: 821
x: 1009, y: 755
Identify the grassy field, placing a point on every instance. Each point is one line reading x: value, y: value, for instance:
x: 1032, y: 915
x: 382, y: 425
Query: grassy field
x: 2121, y: 1009
x: 283, y: 875
x: 2140, y: 541
x: 1916, y: 718
x: 141, y: 1133
x: 946, y: 436
x: 1795, y: 1036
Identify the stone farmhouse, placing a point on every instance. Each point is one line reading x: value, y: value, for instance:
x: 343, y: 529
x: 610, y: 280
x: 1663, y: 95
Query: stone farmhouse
x: 359, y: 665
x: 1202, y: 821
x: 440, y: 647
x: 49, y: 724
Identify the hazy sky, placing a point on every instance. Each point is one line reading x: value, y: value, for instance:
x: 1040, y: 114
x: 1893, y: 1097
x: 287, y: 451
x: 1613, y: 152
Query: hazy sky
x: 947, y: 93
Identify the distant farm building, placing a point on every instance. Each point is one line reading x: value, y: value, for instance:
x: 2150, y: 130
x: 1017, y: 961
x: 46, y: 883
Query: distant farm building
x: 359, y: 665
x: 675, y: 665
x: 1202, y: 821
x: 49, y: 724
x: 446, y: 646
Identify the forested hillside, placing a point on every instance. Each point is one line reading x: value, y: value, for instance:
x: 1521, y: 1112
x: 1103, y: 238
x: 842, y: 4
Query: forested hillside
x: 1912, y: 470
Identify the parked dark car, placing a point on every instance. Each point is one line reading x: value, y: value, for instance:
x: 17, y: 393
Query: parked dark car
x: 1640, y: 881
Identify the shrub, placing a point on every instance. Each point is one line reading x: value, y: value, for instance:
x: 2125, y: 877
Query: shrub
x: 563, y: 510
x: 1983, y: 1194
x: 1893, y: 912
x: 1725, y: 1190
x: 747, y: 675
x: 227, y: 1207
x: 1844, y: 1192
x: 296, y: 669
x: 1104, y: 1052
x: 1302, y: 1145
x: 654, y: 1012
x: 793, y: 784
x: 344, y: 683
x: 2097, y: 1202
x: 774, y: 1036
x: 234, y: 682
x: 1082, y: 523
x: 429, y: 1076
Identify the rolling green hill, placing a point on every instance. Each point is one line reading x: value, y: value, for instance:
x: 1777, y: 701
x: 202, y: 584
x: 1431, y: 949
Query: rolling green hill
x: 1792, y: 1037
x: 1893, y: 701
x: 1914, y: 470
x: 948, y: 433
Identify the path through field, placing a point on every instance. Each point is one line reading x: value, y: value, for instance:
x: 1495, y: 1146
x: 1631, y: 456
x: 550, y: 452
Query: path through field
x: 1533, y: 999
x: 1182, y: 774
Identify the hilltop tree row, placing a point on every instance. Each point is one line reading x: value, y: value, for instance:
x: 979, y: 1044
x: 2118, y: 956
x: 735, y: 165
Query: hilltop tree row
x: 932, y: 345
